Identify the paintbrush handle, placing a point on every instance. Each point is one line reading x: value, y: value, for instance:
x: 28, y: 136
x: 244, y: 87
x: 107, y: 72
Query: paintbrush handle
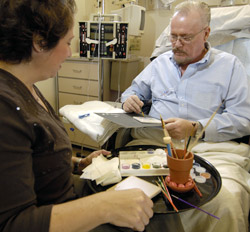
x: 195, y: 206
x: 175, y: 153
x: 169, y: 150
x: 166, y: 195
x: 166, y: 132
x: 197, y: 189
x: 171, y: 202
x: 204, y: 128
x: 166, y: 188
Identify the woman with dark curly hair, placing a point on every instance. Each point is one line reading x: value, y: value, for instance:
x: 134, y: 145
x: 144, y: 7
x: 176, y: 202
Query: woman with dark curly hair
x: 37, y: 191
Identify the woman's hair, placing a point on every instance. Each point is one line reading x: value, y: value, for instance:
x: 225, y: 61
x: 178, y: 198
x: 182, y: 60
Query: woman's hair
x: 23, y: 22
x: 201, y: 7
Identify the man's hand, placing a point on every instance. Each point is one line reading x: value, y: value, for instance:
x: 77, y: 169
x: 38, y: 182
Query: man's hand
x: 179, y: 128
x: 133, y: 104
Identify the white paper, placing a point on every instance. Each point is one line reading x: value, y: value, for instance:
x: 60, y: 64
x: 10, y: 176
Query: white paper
x: 132, y: 182
x: 103, y: 171
x: 146, y: 119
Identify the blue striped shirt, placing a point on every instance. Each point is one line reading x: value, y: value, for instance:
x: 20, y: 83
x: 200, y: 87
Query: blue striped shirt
x: 197, y: 94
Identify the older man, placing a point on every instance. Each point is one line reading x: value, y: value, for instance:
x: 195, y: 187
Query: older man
x: 187, y: 84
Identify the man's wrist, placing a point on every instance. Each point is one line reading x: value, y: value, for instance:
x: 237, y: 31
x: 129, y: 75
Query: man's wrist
x: 199, y: 130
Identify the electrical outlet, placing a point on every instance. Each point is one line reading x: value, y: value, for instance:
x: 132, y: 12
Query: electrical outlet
x: 135, y: 43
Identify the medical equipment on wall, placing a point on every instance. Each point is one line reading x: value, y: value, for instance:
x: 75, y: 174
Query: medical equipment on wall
x: 104, y: 39
x: 109, y: 35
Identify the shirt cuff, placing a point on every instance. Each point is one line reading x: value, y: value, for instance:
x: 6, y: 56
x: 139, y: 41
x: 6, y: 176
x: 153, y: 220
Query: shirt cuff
x: 199, y: 130
x: 211, y: 131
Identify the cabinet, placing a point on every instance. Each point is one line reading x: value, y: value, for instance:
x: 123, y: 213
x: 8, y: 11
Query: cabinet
x: 80, y: 80
x: 123, y: 72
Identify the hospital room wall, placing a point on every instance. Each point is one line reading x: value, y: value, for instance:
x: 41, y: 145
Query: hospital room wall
x: 156, y: 21
x: 49, y: 86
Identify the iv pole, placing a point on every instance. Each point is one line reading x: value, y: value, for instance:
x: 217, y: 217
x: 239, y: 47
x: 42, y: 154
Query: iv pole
x: 101, y: 90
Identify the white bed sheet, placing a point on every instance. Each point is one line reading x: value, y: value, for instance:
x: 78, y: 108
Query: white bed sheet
x: 95, y: 126
x: 232, y: 204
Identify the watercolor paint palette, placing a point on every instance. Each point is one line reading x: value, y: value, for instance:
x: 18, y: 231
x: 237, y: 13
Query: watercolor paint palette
x: 154, y: 163
x: 143, y: 163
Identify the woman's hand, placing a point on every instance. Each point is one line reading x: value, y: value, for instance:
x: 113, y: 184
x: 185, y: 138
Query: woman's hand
x: 127, y: 208
x: 88, y: 160
x: 81, y: 163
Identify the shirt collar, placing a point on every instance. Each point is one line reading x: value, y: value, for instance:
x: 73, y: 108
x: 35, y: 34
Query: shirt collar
x: 202, y: 61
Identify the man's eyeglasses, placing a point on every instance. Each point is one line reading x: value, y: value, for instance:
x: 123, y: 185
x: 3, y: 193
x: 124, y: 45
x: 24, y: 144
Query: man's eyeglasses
x: 186, y: 38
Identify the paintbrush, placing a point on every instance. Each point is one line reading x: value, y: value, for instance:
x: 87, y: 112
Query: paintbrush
x: 165, y: 187
x: 204, y: 128
x: 194, y: 206
x: 186, y: 149
x: 191, y: 134
x: 167, y: 139
x: 166, y: 195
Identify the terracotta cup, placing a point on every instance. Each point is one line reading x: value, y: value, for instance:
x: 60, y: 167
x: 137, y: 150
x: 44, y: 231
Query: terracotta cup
x: 179, y: 169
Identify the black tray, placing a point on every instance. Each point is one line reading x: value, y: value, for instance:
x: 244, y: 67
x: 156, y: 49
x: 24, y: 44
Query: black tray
x: 161, y: 205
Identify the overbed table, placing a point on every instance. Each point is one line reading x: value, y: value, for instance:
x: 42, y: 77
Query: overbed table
x: 165, y: 218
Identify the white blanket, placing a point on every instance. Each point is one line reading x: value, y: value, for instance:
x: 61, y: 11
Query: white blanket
x: 232, y: 203
x: 83, y: 117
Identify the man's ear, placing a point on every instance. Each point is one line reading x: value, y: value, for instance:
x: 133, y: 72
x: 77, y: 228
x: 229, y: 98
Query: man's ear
x: 207, y: 33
